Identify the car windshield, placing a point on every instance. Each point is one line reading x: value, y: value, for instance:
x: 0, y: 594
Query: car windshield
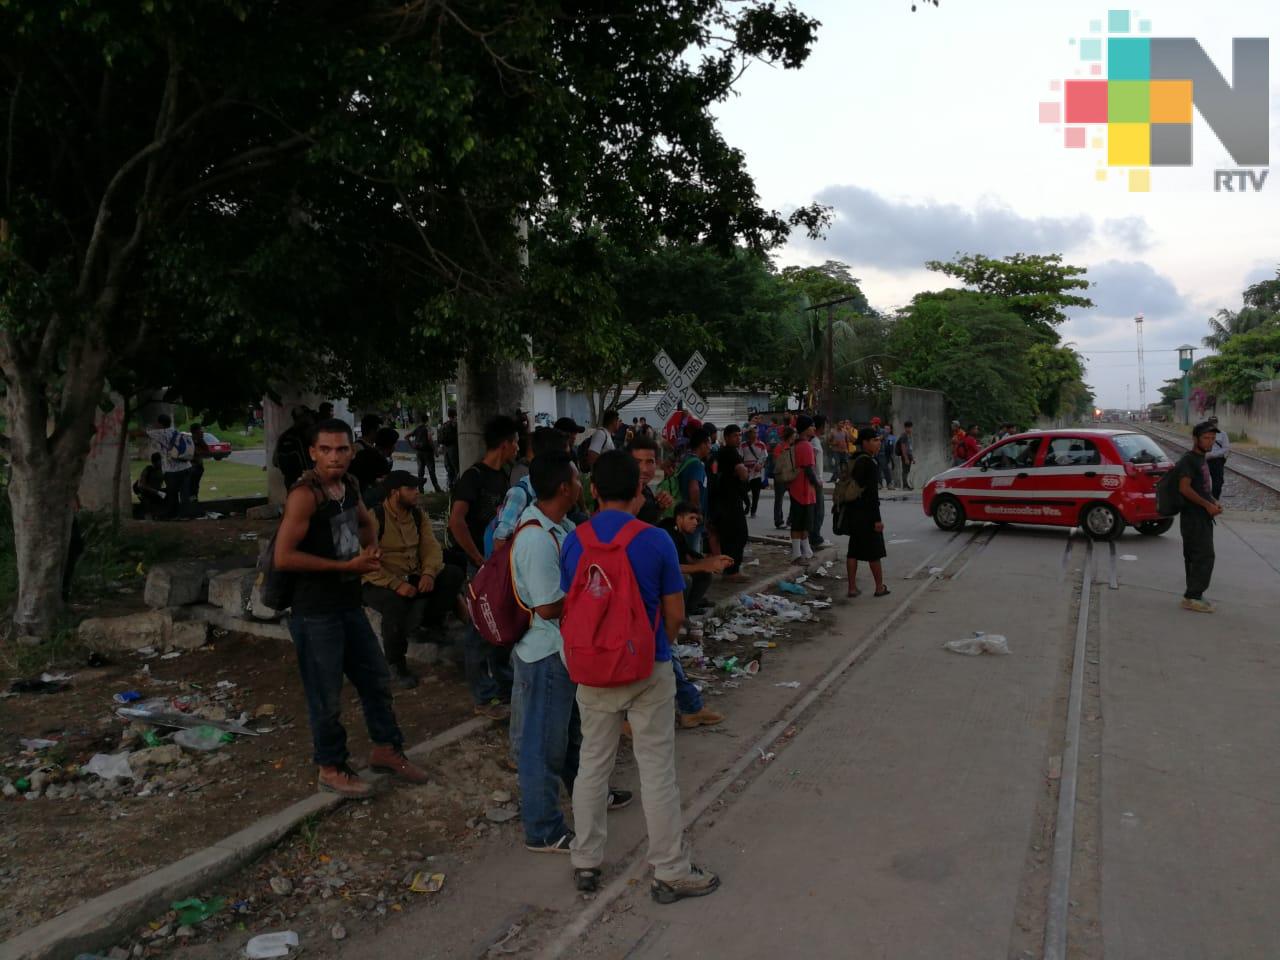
x: 210, y: 438
x: 1138, y: 448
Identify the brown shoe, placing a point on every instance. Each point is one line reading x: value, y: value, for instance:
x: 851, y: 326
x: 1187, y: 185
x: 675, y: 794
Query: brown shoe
x: 703, y: 718
x: 391, y: 760
x: 343, y: 781
x: 626, y: 729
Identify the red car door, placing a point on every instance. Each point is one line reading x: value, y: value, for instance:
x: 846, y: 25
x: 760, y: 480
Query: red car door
x: 1074, y: 475
x: 1006, y: 469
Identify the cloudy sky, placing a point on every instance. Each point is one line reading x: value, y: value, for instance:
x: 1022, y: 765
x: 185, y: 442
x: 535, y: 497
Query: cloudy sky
x: 922, y: 131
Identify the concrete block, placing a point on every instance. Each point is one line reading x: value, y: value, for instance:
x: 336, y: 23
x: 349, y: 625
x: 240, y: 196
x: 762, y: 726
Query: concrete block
x: 176, y: 584
x: 259, y: 610
x: 230, y: 590
x: 188, y: 635
x: 225, y: 621
x: 133, y: 632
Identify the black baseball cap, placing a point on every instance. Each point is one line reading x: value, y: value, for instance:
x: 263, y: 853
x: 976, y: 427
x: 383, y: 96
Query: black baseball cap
x: 569, y: 425
x: 400, y: 478
x: 1204, y: 426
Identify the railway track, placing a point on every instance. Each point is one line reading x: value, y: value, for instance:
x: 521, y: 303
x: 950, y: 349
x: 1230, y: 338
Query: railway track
x: 1264, y: 472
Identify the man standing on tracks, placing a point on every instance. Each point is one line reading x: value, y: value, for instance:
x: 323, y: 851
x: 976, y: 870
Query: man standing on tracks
x: 1217, y: 458
x: 1199, y: 507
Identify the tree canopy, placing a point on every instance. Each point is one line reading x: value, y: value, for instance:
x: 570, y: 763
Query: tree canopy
x: 1036, y: 287
x: 219, y: 194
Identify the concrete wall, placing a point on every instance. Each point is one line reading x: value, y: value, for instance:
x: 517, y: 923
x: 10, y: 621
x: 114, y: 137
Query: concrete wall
x: 98, y: 487
x: 927, y: 410
x: 1260, y: 420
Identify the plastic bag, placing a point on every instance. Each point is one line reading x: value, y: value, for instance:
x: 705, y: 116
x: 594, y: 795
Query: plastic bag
x: 202, y: 739
x: 109, y: 766
x: 979, y: 643
x: 267, y: 945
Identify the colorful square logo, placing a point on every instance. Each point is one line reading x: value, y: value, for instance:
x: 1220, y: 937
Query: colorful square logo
x: 1144, y: 91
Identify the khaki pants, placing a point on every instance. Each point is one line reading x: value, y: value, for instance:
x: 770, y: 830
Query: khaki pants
x: 649, y: 704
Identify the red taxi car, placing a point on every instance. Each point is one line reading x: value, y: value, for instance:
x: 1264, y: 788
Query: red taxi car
x: 1099, y: 480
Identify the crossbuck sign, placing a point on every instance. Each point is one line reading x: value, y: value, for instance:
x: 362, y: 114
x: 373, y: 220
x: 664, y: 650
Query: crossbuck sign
x: 680, y: 385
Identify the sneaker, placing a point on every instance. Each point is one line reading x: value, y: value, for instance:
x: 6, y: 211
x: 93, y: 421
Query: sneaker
x: 402, y: 677
x: 698, y: 883
x: 343, y: 781
x: 619, y: 799
x: 495, y: 709
x: 703, y: 718
x: 391, y: 760
x: 1199, y: 606
x: 558, y: 845
x: 587, y: 879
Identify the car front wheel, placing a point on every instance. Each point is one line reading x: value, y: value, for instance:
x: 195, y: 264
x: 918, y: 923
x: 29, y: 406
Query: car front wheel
x: 1155, y: 528
x: 948, y: 514
x: 1102, y: 522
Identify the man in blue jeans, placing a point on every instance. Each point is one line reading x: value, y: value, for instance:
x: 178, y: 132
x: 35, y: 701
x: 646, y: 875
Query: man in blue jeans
x: 475, y: 498
x: 328, y: 540
x: 551, y: 731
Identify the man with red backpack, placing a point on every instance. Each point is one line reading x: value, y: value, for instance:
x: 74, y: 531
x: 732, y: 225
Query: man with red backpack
x: 551, y: 732
x: 624, y: 597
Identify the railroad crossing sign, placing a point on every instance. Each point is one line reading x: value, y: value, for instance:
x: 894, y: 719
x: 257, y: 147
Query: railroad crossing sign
x: 680, y: 385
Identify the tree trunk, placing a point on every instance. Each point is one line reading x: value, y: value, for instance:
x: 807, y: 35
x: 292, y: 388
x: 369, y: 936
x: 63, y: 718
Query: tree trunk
x: 485, y: 391
x: 48, y: 459
x: 40, y: 498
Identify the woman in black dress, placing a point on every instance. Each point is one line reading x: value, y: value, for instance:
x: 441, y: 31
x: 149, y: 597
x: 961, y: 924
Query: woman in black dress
x: 860, y: 519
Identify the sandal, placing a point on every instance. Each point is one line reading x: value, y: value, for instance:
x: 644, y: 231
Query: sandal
x: 853, y: 593
x: 881, y: 593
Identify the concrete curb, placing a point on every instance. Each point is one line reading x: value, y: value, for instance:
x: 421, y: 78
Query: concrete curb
x: 114, y: 915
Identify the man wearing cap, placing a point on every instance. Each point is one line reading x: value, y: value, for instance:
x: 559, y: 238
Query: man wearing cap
x: 1196, y: 517
x: 413, y: 585
x: 1217, y: 458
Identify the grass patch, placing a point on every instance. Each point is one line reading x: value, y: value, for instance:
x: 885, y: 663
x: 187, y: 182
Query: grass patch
x: 223, y: 479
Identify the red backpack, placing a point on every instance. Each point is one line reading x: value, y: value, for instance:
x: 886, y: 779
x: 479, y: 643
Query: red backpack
x: 609, y: 640
x: 491, y: 599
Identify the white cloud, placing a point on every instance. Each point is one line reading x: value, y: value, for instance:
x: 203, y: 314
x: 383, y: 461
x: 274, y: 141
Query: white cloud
x: 1133, y: 233
x: 898, y: 234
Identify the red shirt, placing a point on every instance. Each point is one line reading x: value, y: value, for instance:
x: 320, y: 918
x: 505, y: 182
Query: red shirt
x: 969, y: 446
x: 801, y: 489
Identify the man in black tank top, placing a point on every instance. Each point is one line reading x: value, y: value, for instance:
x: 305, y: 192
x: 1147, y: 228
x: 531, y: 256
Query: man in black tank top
x: 328, y: 541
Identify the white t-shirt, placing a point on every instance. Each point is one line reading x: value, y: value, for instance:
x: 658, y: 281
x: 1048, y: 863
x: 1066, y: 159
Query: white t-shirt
x: 163, y: 441
x: 817, y: 455
x: 601, y: 441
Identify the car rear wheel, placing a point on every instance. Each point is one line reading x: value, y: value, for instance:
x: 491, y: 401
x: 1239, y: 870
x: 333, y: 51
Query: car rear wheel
x: 1101, y: 522
x: 1154, y: 528
x: 221, y: 456
x: 948, y: 514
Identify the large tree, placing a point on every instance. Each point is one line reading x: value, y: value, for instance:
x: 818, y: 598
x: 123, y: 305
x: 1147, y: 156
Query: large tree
x: 1036, y: 287
x: 973, y: 348
x: 295, y: 185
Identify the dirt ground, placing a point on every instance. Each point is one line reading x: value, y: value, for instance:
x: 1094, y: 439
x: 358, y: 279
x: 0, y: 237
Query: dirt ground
x: 92, y: 836
x: 59, y: 852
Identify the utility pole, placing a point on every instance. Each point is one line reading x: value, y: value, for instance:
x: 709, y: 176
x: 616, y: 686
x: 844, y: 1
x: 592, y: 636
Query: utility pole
x: 1142, y: 372
x: 830, y: 405
x: 829, y: 360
